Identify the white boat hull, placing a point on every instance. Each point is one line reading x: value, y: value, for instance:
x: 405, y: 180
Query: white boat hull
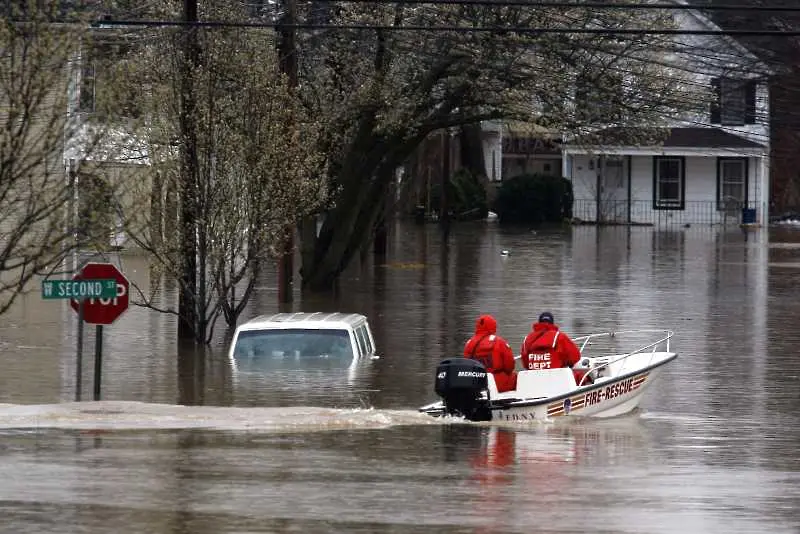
x: 618, y: 393
x: 600, y: 401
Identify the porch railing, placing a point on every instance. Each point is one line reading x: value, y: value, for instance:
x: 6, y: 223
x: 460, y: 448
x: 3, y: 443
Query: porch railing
x: 641, y: 212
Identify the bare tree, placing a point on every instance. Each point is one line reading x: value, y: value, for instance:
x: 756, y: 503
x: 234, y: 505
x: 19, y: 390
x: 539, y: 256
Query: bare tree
x: 259, y: 169
x: 40, y: 130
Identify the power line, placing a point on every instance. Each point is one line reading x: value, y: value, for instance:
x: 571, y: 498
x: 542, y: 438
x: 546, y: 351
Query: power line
x: 588, y: 5
x: 453, y: 29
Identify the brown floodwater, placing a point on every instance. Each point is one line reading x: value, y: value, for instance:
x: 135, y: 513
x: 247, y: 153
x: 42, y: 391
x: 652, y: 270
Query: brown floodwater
x: 183, y: 442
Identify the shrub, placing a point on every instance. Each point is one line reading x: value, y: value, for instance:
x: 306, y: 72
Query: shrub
x: 466, y: 197
x: 534, y: 198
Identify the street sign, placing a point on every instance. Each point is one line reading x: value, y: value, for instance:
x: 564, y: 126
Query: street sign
x: 103, y: 310
x: 79, y: 289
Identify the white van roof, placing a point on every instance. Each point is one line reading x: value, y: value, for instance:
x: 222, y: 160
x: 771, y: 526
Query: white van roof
x: 309, y: 320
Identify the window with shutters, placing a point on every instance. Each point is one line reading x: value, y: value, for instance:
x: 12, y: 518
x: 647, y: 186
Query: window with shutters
x: 734, y: 103
x: 669, y: 182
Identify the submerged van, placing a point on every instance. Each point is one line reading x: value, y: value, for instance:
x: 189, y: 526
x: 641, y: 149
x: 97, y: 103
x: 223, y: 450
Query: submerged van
x: 303, y: 336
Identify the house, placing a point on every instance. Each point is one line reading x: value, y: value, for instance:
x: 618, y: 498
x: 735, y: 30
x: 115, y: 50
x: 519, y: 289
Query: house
x: 113, y: 183
x: 709, y: 168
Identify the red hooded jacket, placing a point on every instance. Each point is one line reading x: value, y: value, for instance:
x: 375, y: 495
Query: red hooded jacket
x: 546, y: 347
x: 493, y: 352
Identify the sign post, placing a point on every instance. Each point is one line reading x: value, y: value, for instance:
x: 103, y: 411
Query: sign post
x: 79, y: 290
x: 79, y: 355
x: 102, y: 310
x: 99, y: 293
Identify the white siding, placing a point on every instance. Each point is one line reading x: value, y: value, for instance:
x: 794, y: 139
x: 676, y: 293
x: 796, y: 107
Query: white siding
x: 641, y: 178
x: 700, y: 194
x: 701, y: 179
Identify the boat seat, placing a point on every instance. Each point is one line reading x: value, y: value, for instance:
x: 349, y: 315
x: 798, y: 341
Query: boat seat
x: 545, y: 382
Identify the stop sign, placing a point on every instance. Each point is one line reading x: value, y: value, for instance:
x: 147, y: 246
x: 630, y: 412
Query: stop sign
x: 103, y: 311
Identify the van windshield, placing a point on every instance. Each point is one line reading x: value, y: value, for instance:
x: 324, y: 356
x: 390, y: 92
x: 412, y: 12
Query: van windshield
x: 293, y: 343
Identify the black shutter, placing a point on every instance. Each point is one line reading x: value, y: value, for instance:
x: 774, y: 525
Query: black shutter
x: 716, y: 100
x: 750, y: 102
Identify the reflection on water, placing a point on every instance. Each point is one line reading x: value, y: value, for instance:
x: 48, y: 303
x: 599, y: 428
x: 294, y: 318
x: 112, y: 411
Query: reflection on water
x: 605, y: 477
x: 711, y: 450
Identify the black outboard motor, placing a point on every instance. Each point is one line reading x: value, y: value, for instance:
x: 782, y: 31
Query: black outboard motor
x: 460, y: 383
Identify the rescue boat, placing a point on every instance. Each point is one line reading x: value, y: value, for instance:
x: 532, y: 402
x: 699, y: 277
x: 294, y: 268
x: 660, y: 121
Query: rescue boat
x: 614, y: 383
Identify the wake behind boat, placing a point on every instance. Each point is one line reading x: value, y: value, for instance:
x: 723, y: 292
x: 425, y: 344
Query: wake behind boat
x: 620, y: 381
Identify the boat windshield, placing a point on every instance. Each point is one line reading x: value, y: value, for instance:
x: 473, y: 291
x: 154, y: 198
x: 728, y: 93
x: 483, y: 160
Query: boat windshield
x: 294, y: 343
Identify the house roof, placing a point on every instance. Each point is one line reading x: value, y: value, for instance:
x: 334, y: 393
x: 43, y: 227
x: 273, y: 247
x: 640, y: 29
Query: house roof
x: 707, y: 137
x: 688, y: 137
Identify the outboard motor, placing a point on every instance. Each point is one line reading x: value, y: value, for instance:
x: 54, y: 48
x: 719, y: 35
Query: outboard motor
x: 460, y: 383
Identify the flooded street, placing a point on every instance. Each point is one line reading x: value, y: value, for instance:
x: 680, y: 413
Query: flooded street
x: 254, y: 449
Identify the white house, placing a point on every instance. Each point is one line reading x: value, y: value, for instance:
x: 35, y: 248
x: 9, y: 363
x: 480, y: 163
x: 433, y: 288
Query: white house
x: 707, y: 169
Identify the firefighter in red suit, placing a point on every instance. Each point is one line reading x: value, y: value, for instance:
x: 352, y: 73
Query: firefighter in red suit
x: 493, y: 352
x: 547, y: 347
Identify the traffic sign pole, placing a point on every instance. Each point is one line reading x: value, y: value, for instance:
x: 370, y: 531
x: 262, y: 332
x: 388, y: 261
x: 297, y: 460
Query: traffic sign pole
x: 79, y: 354
x: 99, y: 293
x: 98, y: 360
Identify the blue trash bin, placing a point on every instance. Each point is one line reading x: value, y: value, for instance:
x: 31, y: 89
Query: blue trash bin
x: 748, y: 215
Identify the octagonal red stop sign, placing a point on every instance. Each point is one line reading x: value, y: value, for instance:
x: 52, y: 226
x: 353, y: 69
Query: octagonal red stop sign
x: 103, y: 311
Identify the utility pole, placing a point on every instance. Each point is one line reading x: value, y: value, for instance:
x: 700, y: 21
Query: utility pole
x: 287, y: 56
x: 187, y: 305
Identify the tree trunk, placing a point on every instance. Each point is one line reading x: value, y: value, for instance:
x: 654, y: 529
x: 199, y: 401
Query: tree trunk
x: 287, y: 50
x: 157, y: 211
x: 187, y: 304
x: 472, y: 150
x: 353, y: 221
x: 444, y: 205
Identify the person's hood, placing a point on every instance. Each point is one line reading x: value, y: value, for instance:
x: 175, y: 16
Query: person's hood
x: 485, y: 325
x: 541, y: 327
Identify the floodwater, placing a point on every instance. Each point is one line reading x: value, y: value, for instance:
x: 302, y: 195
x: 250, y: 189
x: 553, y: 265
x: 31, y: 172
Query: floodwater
x: 713, y: 448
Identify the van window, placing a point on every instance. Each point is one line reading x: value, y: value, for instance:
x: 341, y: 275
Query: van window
x: 296, y: 342
x: 362, y: 343
x: 368, y: 337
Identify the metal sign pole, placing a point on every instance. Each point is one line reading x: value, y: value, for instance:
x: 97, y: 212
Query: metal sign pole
x: 79, y: 355
x: 98, y: 360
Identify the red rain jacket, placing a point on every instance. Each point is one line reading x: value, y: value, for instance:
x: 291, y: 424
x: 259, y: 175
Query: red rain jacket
x: 493, y: 352
x: 546, y: 347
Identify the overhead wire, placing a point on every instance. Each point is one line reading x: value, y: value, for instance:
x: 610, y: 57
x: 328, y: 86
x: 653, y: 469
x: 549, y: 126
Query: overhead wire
x: 453, y: 29
x: 591, y: 5
x: 498, y: 29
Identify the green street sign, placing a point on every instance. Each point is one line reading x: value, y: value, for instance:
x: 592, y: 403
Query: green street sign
x: 79, y: 289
